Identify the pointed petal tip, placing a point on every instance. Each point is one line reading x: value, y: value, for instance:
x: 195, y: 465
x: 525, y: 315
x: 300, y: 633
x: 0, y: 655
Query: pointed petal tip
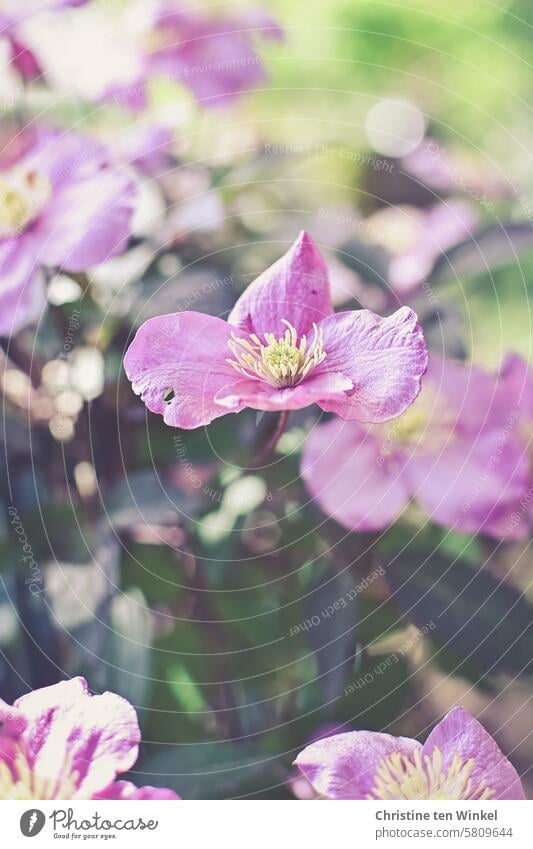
x: 458, y: 712
x: 305, y: 240
x: 305, y: 249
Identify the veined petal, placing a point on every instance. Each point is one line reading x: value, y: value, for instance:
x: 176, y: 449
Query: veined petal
x: 184, y: 354
x: 91, y: 737
x: 349, y: 478
x: 385, y: 358
x: 459, y: 734
x: 295, y: 288
x: 262, y: 396
x: 344, y: 766
x: 12, y: 721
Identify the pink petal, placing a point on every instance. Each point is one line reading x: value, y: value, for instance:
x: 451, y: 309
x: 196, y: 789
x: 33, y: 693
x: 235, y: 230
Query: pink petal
x: 295, y: 288
x: 185, y: 353
x: 470, y: 392
x: 384, y: 358
x: 471, y: 482
x: 126, y: 791
x: 344, y: 766
x: 70, y: 732
x: 517, y: 382
x: 441, y: 227
x: 12, y: 721
x: 216, y: 69
x: 349, y: 478
x: 213, y: 56
x: 86, y: 221
x: 460, y: 734
x: 261, y: 396
x: 22, y: 284
x: 62, y: 156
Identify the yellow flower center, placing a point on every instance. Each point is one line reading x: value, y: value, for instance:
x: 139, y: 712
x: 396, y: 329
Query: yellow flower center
x: 410, y: 426
x: 18, y: 781
x: 402, y: 777
x: 425, y: 426
x: 279, y: 361
x: 22, y: 196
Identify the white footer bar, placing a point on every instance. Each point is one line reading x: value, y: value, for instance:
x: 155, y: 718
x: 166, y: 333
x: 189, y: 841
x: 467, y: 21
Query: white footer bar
x: 260, y: 824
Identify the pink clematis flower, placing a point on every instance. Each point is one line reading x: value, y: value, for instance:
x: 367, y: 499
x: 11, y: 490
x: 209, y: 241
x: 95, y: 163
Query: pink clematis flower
x: 60, y: 742
x: 454, y: 451
x: 282, y: 348
x: 212, y: 55
x: 459, y: 760
x: 61, y: 205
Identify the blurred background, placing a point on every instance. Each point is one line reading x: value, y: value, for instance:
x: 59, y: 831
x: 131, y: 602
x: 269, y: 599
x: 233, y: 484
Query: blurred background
x: 171, y: 570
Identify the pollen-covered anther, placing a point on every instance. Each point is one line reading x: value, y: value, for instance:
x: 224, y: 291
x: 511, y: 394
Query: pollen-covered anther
x: 19, y: 781
x: 22, y: 195
x: 401, y: 777
x: 279, y: 361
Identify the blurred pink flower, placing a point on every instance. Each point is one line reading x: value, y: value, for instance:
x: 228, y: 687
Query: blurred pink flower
x: 517, y: 380
x: 61, y: 206
x: 62, y: 743
x: 454, y: 451
x: 282, y: 348
x: 213, y: 55
x: 456, y: 171
x: 434, y: 231
x: 459, y: 760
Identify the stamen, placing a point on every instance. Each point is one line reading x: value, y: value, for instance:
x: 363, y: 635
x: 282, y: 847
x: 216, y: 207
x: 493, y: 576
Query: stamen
x: 400, y: 777
x: 424, y: 427
x: 22, y: 196
x: 282, y: 361
x: 18, y: 781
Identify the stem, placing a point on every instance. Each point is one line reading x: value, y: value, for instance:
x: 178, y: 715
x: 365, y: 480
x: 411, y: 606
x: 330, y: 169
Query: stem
x: 223, y: 701
x: 267, y: 450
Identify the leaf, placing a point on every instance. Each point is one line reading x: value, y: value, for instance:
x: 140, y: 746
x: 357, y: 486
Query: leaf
x: 329, y: 622
x: 371, y: 262
x: 129, y: 647
x: 444, y: 330
x: 492, y: 247
x: 483, y: 621
x: 187, y: 692
x: 80, y: 596
x: 214, y: 770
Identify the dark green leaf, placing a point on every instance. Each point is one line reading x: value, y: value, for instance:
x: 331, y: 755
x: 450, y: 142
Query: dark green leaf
x: 486, y: 622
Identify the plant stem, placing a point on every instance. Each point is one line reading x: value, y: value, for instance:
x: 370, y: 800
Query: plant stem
x: 266, y: 451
